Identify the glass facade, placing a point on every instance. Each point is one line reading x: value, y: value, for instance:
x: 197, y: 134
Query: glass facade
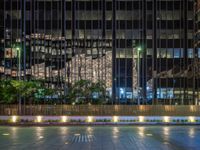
x: 197, y: 48
x: 142, y: 49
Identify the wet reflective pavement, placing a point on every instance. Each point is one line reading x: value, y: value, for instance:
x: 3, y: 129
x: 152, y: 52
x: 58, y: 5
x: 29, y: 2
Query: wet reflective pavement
x: 100, y: 138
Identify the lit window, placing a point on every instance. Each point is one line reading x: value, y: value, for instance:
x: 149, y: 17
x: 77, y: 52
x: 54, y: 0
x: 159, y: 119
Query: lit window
x: 178, y: 53
x: 190, y: 53
x: 198, y: 52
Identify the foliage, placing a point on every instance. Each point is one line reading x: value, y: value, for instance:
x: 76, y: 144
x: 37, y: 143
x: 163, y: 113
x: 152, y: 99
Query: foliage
x: 6, y: 91
x: 82, y: 92
x: 41, y: 93
x: 24, y: 88
x: 10, y: 90
x: 85, y: 92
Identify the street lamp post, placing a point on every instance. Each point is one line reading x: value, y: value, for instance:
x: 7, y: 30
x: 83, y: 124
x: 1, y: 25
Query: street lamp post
x: 19, y: 61
x: 138, y: 68
x: 19, y: 74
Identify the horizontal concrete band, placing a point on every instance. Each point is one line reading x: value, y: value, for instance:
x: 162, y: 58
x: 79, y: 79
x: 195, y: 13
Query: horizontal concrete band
x: 112, y: 119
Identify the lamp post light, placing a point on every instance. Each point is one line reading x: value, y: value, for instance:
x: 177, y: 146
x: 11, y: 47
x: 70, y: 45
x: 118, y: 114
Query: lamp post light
x: 139, y: 49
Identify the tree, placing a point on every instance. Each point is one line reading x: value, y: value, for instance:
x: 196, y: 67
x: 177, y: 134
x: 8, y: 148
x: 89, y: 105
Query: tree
x: 10, y: 90
x: 85, y: 91
x: 98, y: 91
x: 82, y: 92
x: 42, y: 93
x: 25, y: 88
x: 7, y: 92
x: 79, y: 92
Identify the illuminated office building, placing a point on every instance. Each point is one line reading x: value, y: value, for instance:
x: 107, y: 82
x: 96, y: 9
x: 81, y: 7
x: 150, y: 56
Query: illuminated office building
x: 142, y: 49
x: 197, y: 49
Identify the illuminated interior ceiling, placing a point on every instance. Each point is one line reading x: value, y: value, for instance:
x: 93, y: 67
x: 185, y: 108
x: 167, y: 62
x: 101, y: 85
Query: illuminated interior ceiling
x: 135, y: 71
x: 81, y: 65
x: 86, y: 68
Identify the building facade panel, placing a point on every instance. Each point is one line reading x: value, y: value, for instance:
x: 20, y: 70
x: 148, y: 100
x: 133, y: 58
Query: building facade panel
x: 142, y: 49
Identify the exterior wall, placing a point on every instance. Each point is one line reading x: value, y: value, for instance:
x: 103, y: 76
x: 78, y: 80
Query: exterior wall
x: 197, y: 45
x: 65, y: 41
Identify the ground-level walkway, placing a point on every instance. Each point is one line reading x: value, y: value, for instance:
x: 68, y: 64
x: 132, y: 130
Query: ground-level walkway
x: 100, y: 138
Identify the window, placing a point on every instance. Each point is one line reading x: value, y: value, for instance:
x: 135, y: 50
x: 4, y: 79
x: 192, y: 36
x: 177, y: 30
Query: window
x: 178, y: 53
x: 165, y: 93
x: 190, y: 53
x: 108, y: 5
x: 108, y: 24
x: 170, y: 53
x: 198, y: 52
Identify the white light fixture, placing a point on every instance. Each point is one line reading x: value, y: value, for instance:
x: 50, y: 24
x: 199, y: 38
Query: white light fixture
x: 166, y: 119
x: 90, y: 119
x: 115, y: 118
x: 14, y: 119
x: 191, y: 119
x: 141, y: 118
x: 64, y: 119
x: 39, y: 119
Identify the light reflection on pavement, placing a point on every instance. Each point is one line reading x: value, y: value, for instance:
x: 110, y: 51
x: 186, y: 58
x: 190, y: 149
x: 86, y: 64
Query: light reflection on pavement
x: 100, y: 138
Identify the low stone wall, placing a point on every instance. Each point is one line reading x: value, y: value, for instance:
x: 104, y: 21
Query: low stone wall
x: 81, y: 120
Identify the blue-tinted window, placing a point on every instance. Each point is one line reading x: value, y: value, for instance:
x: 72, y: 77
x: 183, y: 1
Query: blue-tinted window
x: 190, y: 53
x: 178, y: 53
x: 198, y: 52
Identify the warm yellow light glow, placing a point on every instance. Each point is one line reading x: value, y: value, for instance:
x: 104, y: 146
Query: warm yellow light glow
x: 191, y: 132
x: 14, y: 118
x: 64, y: 119
x: 166, y: 119
x: 39, y: 119
x: 191, y: 108
x: 191, y: 119
x: 115, y: 118
x: 141, y: 131
x: 166, y: 130
x: 90, y: 119
x: 141, y: 118
x: 89, y: 130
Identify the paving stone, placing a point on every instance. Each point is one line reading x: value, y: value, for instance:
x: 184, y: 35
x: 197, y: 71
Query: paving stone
x: 100, y: 138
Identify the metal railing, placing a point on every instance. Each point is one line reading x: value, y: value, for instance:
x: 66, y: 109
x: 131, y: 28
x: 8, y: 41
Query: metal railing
x: 102, y: 110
